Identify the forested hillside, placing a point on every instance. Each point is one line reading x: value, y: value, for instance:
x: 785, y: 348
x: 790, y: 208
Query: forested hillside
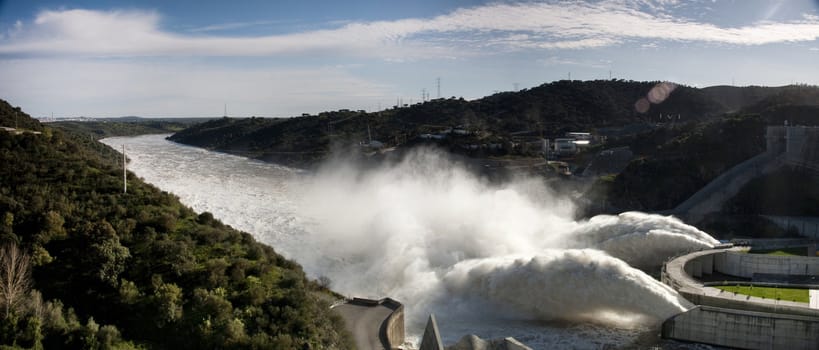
x: 103, y: 129
x: 98, y: 268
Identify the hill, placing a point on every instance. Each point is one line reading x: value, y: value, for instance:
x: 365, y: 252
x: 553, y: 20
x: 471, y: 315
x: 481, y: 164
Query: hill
x: 103, y: 129
x: 14, y: 117
x: 735, y: 98
x: 98, y: 268
x: 549, y: 109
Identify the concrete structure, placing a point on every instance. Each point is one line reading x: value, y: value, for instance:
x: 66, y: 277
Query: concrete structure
x: 712, y: 196
x: 735, y: 320
x: 374, y: 324
x: 580, y: 136
x: 473, y: 342
x: 565, y: 147
x: 610, y: 161
x: 804, y: 226
x: 431, y: 340
x: 747, y: 265
x: 785, y: 145
x: 744, y: 329
x: 802, y: 146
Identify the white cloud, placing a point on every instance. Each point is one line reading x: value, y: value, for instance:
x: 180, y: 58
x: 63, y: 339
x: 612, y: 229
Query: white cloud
x: 114, y: 88
x: 234, y: 25
x: 563, y: 25
x: 561, y: 61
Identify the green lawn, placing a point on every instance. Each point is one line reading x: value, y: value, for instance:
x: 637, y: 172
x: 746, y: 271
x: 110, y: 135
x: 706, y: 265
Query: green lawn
x: 801, y: 251
x: 789, y: 294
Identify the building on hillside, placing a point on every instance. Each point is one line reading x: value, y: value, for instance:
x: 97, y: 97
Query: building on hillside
x: 800, y: 144
x: 565, y: 147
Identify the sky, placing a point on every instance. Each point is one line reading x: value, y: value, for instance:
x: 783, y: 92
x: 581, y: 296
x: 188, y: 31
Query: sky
x: 191, y: 58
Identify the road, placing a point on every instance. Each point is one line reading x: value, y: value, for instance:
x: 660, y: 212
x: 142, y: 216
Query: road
x: 364, y: 323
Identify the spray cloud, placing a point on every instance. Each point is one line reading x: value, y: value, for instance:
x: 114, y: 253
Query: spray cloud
x: 435, y: 236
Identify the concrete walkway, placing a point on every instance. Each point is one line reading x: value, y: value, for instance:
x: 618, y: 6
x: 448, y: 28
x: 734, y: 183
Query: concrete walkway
x: 364, y: 323
x: 814, y: 298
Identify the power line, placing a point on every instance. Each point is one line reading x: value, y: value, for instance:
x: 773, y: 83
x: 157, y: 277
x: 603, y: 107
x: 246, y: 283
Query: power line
x: 124, y: 172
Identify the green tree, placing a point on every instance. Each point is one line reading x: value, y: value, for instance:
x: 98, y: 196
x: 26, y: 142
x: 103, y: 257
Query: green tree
x: 167, y: 299
x: 105, y: 257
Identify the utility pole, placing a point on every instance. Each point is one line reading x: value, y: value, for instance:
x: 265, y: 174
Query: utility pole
x: 515, y: 87
x: 438, y: 83
x: 124, y: 172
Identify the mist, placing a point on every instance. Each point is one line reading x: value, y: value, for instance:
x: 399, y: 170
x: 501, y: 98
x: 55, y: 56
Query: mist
x: 427, y: 232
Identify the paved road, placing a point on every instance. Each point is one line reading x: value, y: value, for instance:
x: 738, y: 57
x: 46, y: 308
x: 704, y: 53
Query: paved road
x: 364, y: 323
x: 814, y: 298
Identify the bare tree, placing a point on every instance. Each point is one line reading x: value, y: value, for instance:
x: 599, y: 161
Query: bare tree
x: 15, y: 276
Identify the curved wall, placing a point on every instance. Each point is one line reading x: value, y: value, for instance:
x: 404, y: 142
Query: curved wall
x: 746, y: 265
x: 734, y: 320
x: 394, y: 326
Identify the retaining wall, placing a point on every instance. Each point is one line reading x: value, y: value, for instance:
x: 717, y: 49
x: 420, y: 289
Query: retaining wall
x: 743, y: 329
x: 746, y: 265
x: 394, y: 327
x: 806, y: 226
x: 391, y: 329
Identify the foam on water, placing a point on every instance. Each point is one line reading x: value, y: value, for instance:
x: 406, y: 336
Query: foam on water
x: 436, y: 237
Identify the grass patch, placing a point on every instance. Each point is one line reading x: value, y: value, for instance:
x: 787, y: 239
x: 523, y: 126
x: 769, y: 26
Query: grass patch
x: 800, y: 251
x: 789, y: 294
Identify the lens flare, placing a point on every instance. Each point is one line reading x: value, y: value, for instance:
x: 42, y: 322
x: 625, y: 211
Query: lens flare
x: 660, y: 92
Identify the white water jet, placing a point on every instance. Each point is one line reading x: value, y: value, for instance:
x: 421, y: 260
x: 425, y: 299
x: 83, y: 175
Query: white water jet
x: 437, y: 237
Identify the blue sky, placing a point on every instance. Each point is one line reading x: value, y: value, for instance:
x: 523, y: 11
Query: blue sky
x: 284, y: 58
